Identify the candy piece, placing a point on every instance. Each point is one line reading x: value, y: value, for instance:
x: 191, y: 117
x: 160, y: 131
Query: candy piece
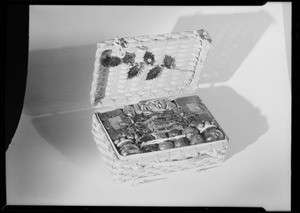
x: 129, y: 111
x: 142, y: 108
x: 157, y: 105
x: 189, y: 130
x: 118, y: 122
x: 124, y: 141
x: 116, y: 141
x: 125, y: 133
x: 168, y: 115
x: 181, y: 142
x: 192, y: 120
x: 149, y: 107
x: 193, y: 123
x: 105, y: 115
x: 190, y: 104
x: 150, y: 148
x: 160, y: 123
x: 189, y: 135
x: 172, y: 116
x: 170, y: 128
x: 146, y: 138
x: 145, y: 131
x: 200, y: 126
x: 142, y: 127
x: 166, y: 145
x: 209, y: 137
x: 173, y: 106
x: 130, y: 136
x: 114, y: 134
x: 113, y: 122
x: 196, y: 139
x: 122, y: 138
x: 217, y: 133
x: 159, y: 135
x: 128, y: 121
x: 131, y: 129
x: 213, y: 134
x: 207, y: 123
x: 204, y: 117
x: 138, y: 118
x: 174, y: 133
x: 129, y: 149
x: 150, y: 119
x: 124, y: 152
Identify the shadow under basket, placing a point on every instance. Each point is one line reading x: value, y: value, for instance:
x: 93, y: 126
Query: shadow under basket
x: 113, y: 88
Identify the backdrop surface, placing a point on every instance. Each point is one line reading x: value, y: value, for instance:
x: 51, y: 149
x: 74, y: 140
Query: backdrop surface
x: 245, y: 84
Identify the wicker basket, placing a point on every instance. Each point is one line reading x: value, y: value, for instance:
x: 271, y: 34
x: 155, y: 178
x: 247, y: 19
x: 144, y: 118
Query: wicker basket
x: 112, y: 89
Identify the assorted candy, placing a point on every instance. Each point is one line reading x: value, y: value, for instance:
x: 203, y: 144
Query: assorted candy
x: 162, y: 124
x: 166, y: 145
x: 149, y: 148
x: 181, y: 142
x: 129, y: 149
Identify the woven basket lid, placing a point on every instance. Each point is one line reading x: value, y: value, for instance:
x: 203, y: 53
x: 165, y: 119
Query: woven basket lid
x: 131, y: 69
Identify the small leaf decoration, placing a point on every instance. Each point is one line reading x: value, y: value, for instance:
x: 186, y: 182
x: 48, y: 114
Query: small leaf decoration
x: 169, y: 62
x: 135, y: 70
x: 123, y: 42
x: 109, y: 61
x: 149, y: 58
x: 153, y: 73
x: 105, y: 61
x: 129, y: 58
x: 114, y: 61
x: 105, y: 58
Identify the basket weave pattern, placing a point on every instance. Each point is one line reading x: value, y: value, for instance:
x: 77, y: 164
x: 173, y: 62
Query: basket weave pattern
x: 111, y: 89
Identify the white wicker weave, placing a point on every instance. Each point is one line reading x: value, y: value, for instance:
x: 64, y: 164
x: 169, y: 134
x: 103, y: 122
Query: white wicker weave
x: 111, y: 90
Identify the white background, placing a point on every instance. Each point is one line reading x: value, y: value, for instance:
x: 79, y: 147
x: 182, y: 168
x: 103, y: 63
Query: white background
x: 245, y: 84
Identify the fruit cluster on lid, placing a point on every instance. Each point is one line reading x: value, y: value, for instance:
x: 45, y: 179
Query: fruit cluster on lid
x: 109, y: 60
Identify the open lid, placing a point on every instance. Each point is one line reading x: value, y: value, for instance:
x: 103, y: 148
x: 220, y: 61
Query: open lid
x: 128, y: 70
